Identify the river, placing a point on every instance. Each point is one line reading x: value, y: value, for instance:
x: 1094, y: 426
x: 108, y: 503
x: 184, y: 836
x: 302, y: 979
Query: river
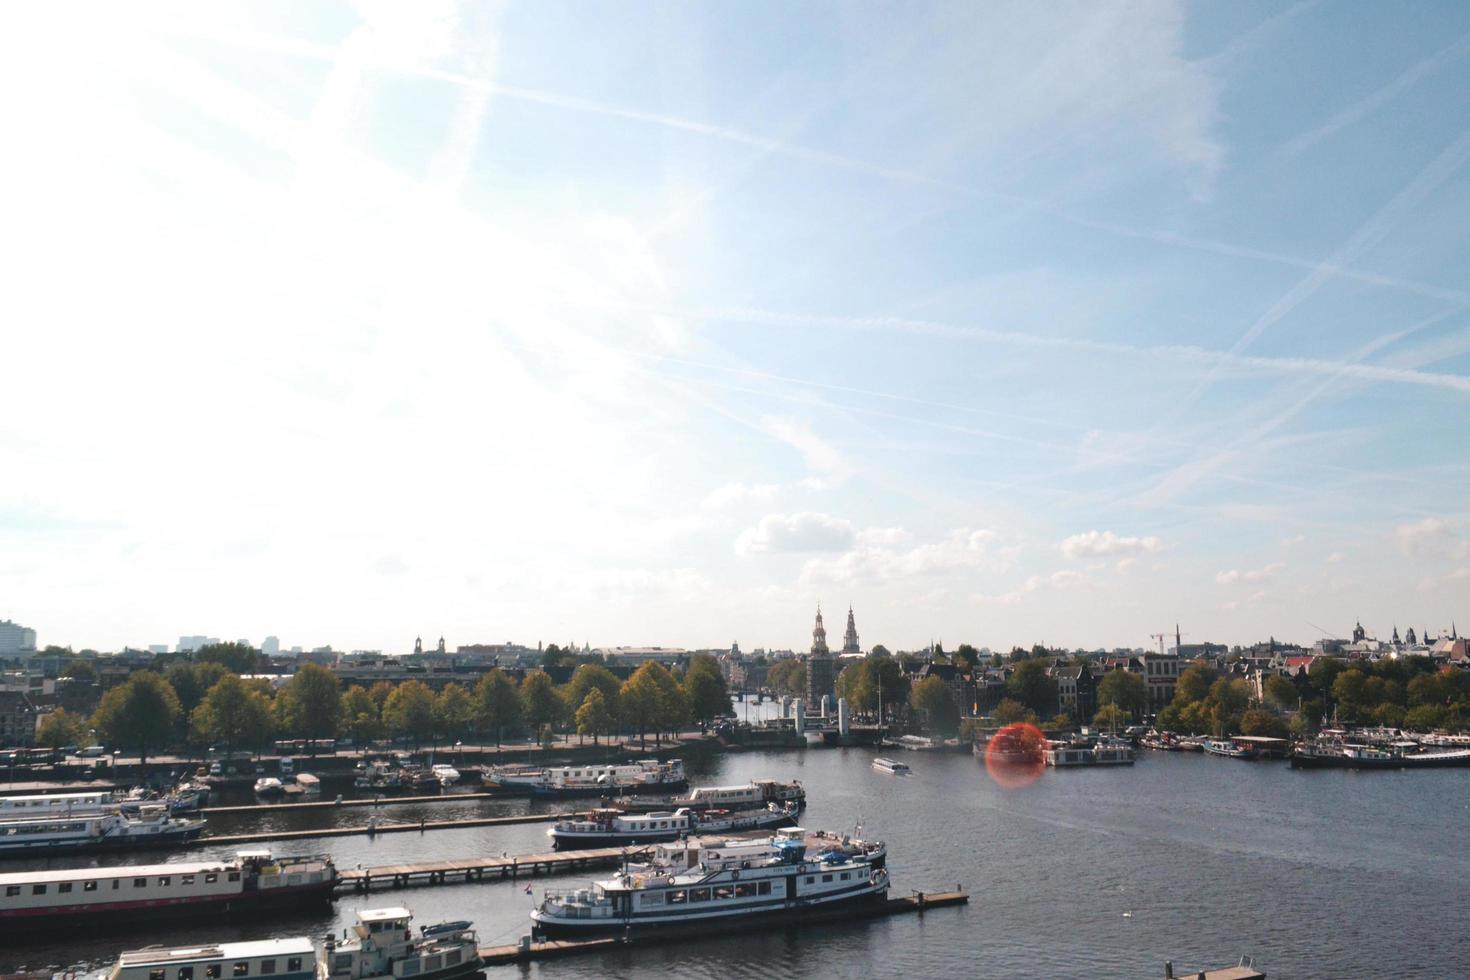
x: 1083, y: 873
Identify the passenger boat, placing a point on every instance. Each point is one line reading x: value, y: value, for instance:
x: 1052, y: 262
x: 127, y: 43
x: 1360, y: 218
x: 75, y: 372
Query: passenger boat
x: 253, y: 881
x: 705, y: 881
x: 645, y: 776
x: 1104, y: 752
x: 269, y: 786
x: 609, y: 827
x: 446, y: 774
x: 1228, y: 748
x: 279, y: 959
x: 892, y: 767
x: 153, y: 826
x: 382, y: 944
x: 13, y: 807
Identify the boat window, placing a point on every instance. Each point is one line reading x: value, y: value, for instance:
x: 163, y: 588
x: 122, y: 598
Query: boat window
x: 155, y: 974
x: 12, y: 890
x: 242, y: 968
x: 453, y: 958
x: 651, y: 898
x: 410, y: 967
x: 213, y: 970
x: 64, y: 887
x: 432, y: 963
x: 845, y: 876
x: 187, y: 880
x: 765, y: 888
x: 234, y: 876
x: 186, y: 973
x: 211, y: 878
x: 293, y: 965
x: 699, y: 895
x: 267, y: 967
x: 677, y: 898
x: 826, y: 877
x: 140, y: 882
x: 116, y: 884
x: 89, y: 886
x: 724, y: 891
x: 163, y: 881
x: 811, y: 879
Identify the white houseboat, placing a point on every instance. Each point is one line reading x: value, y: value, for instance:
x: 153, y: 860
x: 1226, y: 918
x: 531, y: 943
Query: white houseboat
x: 892, y: 767
x: 1104, y: 752
x: 382, y: 944
x: 610, y: 827
x: 703, y: 881
x: 14, y: 807
x: 152, y: 826
x: 279, y: 959
x: 252, y: 881
x: 757, y: 792
x: 645, y: 776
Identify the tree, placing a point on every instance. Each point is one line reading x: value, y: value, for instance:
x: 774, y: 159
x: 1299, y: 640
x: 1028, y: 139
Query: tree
x: 593, y: 716
x: 360, y: 716
x: 584, y: 679
x: 409, y: 711
x: 879, y: 650
x: 788, y: 677
x: 60, y: 727
x: 933, y: 696
x: 192, y: 681
x: 232, y: 714
x: 497, y: 704
x: 1280, y: 691
x: 1348, y: 690
x: 238, y: 658
x: 1127, y: 690
x: 1031, y: 685
x: 1010, y: 711
x: 1193, y: 685
x: 310, y: 705
x: 81, y: 670
x: 673, y: 704
x: 139, y: 713
x: 1262, y: 721
x: 539, y: 702
x: 640, y: 698
x: 704, y: 685
x: 454, y: 711
x: 1110, y: 715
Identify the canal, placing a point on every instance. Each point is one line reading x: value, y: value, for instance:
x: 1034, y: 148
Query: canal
x: 1083, y: 873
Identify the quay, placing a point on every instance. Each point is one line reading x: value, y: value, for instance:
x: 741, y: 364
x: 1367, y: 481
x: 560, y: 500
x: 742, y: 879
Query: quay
x: 336, y: 804
x: 471, y: 870
x: 527, y: 949
x: 376, y: 828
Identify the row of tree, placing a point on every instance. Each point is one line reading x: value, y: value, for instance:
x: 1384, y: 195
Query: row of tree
x: 202, y: 703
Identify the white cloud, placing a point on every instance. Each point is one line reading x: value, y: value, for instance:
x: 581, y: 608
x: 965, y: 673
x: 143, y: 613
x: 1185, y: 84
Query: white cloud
x: 1234, y: 576
x: 827, y: 465
x: 1335, y: 557
x: 734, y: 493
x: 806, y: 531
x: 1293, y: 541
x: 1092, y: 544
x: 878, y: 557
x: 1430, y: 582
x: 1124, y: 564
x: 1056, y: 581
x: 1431, y: 537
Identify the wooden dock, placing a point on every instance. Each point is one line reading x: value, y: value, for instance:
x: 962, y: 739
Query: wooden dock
x: 470, y: 870
x: 528, y: 950
x: 334, y: 804
x: 266, y: 837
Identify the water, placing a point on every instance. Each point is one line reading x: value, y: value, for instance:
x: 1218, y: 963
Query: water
x: 1314, y: 873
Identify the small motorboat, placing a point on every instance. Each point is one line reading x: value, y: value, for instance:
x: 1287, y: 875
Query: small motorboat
x: 269, y: 786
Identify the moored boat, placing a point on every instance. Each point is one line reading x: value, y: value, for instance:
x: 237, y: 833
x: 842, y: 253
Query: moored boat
x: 1228, y: 748
x: 280, y: 959
x: 608, y: 826
x: 892, y: 767
x: 446, y: 774
x: 152, y: 826
x: 268, y: 786
x: 382, y: 944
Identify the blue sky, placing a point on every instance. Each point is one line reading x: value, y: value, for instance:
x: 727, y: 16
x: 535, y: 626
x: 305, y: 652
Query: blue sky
x: 1006, y: 323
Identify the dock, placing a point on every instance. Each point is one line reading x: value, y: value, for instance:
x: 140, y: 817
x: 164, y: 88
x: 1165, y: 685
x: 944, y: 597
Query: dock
x: 507, y: 867
x: 266, y: 837
x: 335, y: 804
x: 528, y: 950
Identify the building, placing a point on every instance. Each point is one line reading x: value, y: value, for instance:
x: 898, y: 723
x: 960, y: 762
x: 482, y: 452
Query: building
x: 1076, y: 690
x: 17, y: 719
x: 850, y: 646
x: 820, y: 667
x: 16, y: 640
x: 1161, y: 674
x: 270, y: 646
x: 189, y: 644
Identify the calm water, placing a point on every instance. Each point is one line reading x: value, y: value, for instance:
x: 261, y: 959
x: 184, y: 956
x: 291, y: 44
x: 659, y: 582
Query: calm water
x: 1316, y: 874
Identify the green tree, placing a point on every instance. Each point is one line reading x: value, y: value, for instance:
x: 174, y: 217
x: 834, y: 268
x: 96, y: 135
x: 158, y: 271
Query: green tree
x: 139, y: 713
x: 61, y: 727
x: 454, y: 711
x: 1127, y: 690
x: 1427, y: 717
x: 409, y: 711
x: 788, y: 677
x: 1110, y: 716
x: 539, y: 702
x: 1262, y: 721
x: 704, y: 685
x: 1280, y: 691
x: 192, y: 681
x: 310, y: 704
x: 641, y: 700
x: 673, y: 704
x: 233, y: 714
x: 1348, y: 690
x: 81, y: 670
x: 238, y: 658
x: 360, y: 716
x: 933, y: 697
x: 584, y: 679
x: 593, y: 717
x: 1193, y: 685
x: 1011, y: 711
x: 879, y: 650
x: 1031, y: 685
x: 497, y: 704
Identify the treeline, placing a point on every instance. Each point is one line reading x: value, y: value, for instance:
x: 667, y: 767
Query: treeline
x: 1409, y: 692
x: 194, y: 704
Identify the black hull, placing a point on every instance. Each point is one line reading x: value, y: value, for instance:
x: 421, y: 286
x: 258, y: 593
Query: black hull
x: 870, y: 904
x: 567, y: 794
x: 157, y: 843
x: 108, y: 918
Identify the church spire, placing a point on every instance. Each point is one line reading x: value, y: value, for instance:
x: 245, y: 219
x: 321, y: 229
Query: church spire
x: 850, y: 638
x: 819, y: 636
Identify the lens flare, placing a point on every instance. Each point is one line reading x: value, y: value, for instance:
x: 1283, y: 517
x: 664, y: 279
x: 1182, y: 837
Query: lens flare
x: 1013, y: 756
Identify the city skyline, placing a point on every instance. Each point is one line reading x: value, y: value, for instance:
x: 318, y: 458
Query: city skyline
x: 1008, y: 324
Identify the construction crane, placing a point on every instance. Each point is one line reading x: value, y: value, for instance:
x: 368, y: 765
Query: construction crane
x: 1178, y: 639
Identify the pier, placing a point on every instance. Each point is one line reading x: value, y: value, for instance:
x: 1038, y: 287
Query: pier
x: 336, y: 804
x: 528, y: 950
x: 507, y: 867
x: 267, y: 837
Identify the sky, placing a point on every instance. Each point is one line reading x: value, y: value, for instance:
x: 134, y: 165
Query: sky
x: 1005, y: 323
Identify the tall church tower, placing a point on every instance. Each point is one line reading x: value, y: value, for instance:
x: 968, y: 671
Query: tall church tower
x: 820, y: 674
x: 850, y: 639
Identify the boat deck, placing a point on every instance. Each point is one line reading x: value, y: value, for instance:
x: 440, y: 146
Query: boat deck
x: 471, y: 870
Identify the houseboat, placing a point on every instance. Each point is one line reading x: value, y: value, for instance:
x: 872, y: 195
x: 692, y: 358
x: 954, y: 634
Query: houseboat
x: 645, y: 776
x: 610, y: 827
x: 153, y: 826
x: 757, y: 792
x: 892, y: 767
x: 1103, y: 752
x: 16, y: 807
x: 253, y: 881
x: 279, y: 959
x: 706, y: 881
x: 382, y: 944
x: 1228, y: 748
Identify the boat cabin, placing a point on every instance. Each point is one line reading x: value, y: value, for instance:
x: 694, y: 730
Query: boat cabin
x: 276, y: 959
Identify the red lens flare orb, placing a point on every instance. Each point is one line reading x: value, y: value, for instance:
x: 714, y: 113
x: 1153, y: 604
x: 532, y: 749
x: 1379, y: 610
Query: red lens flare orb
x: 1013, y: 756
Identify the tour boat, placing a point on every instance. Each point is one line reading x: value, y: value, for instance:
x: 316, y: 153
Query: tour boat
x: 382, y: 944
x: 252, y: 881
x: 710, y: 880
x: 754, y: 793
x: 269, y: 786
x: 609, y: 827
x: 15, y: 807
x: 279, y: 959
x: 153, y: 826
x: 892, y: 767
x: 446, y: 774
x: 648, y: 775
